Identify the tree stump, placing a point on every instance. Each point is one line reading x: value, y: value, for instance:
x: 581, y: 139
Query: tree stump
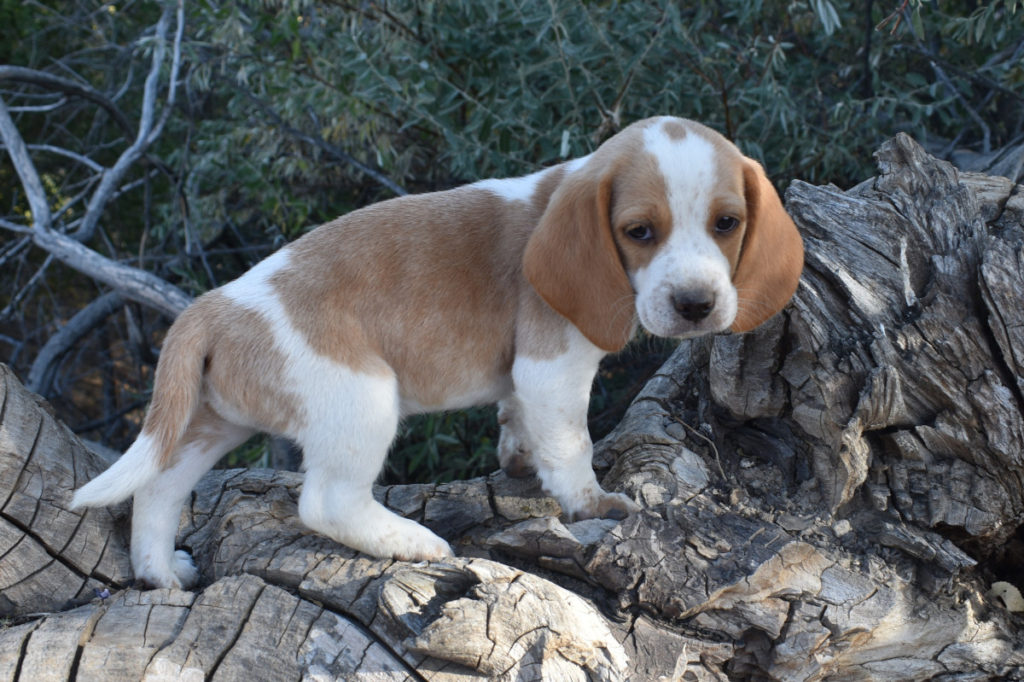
x: 838, y: 495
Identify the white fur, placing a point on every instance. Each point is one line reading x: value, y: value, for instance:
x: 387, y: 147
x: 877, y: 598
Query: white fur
x: 690, y: 260
x: 522, y: 188
x: 512, y: 189
x: 550, y: 408
x: 135, y: 468
x: 154, y: 524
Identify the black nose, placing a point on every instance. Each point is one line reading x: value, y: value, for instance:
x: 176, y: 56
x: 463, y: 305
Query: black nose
x: 693, y: 306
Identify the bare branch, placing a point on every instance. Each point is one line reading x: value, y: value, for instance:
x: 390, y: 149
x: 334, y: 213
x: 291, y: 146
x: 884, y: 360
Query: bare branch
x: 172, y: 83
x: 26, y: 170
x: 41, y: 78
x: 60, y: 151
x: 40, y: 376
x: 16, y: 300
x: 138, y: 285
x: 135, y: 284
x: 14, y: 227
x: 40, y: 108
x: 975, y: 116
x: 14, y: 249
x: 113, y: 176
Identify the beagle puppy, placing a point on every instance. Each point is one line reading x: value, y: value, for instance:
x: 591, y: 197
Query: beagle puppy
x: 506, y: 291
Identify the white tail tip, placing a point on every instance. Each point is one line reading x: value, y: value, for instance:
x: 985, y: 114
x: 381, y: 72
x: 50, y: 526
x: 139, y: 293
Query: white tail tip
x: 136, y: 467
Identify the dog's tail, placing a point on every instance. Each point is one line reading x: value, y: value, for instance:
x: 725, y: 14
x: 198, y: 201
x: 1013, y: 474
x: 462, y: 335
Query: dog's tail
x: 176, y: 395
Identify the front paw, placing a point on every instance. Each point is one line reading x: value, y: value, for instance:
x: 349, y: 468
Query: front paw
x: 607, y: 506
x: 180, y: 574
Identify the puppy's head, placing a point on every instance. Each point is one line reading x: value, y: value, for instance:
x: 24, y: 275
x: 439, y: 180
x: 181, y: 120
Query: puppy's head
x: 669, y: 223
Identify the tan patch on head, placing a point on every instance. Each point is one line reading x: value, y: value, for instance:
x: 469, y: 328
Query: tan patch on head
x: 727, y: 187
x: 728, y: 200
x: 766, y: 252
x: 675, y: 130
x: 582, y: 252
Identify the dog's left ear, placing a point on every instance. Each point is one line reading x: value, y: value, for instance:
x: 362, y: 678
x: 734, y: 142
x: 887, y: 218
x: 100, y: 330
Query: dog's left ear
x: 773, y: 253
x: 572, y: 262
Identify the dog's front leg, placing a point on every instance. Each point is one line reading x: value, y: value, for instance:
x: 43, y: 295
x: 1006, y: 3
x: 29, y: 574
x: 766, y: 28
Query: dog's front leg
x: 550, y: 403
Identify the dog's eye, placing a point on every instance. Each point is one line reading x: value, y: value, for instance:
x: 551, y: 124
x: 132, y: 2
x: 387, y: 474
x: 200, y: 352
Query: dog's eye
x: 640, y: 233
x: 726, y: 224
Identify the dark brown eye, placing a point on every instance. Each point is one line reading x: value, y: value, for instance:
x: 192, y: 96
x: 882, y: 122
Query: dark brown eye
x: 640, y: 233
x: 726, y: 224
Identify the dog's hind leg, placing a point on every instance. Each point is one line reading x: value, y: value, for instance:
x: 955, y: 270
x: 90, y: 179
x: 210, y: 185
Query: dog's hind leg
x: 156, y: 508
x: 345, y: 441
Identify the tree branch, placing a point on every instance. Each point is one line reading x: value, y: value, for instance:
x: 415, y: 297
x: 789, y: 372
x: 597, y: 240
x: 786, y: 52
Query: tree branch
x: 138, y: 285
x: 147, y: 131
x: 40, y: 376
x: 22, y: 74
x: 133, y: 283
x: 60, y: 151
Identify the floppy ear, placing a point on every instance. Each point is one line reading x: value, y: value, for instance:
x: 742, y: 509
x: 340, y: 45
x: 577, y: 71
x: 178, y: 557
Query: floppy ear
x: 572, y: 262
x: 773, y: 253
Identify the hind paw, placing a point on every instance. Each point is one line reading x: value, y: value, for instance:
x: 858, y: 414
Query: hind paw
x: 180, y: 574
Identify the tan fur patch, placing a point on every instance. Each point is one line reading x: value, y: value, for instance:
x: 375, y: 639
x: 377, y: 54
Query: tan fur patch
x: 206, y: 429
x: 244, y: 368
x: 430, y: 285
x: 572, y: 261
x: 216, y: 346
x: 675, y: 130
x: 772, y: 256
x: 177, y: 385
x: 639, y: 197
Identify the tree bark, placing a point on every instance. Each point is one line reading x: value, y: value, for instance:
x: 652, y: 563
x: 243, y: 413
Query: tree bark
x: 838, y: 495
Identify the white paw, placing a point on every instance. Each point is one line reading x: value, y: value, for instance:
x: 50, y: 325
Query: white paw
x: 372, y: 529
x: 185, y: 569
x: 179, y: 574
x: 433, y: 550
x: 606, y: 506
x: 420, y: 544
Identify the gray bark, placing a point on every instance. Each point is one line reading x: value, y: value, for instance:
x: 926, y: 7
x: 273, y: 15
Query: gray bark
x: 832, y: 496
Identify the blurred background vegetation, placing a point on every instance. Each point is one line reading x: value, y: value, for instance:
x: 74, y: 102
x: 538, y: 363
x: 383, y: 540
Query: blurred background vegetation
x: 288, y: 113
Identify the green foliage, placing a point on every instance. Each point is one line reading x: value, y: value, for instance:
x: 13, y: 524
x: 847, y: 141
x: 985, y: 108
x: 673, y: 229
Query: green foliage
x: 439, y: 93
x: 445, y: 446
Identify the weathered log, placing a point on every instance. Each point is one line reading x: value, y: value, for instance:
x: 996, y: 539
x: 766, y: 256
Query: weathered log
x: 831, y: 496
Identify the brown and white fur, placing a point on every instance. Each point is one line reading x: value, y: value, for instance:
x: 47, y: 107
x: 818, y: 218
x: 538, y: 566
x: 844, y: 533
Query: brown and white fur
x: 506, y: 291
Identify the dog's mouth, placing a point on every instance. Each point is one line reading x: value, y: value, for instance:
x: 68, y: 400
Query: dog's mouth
x: 684, y: 317
x: 686, y: 330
